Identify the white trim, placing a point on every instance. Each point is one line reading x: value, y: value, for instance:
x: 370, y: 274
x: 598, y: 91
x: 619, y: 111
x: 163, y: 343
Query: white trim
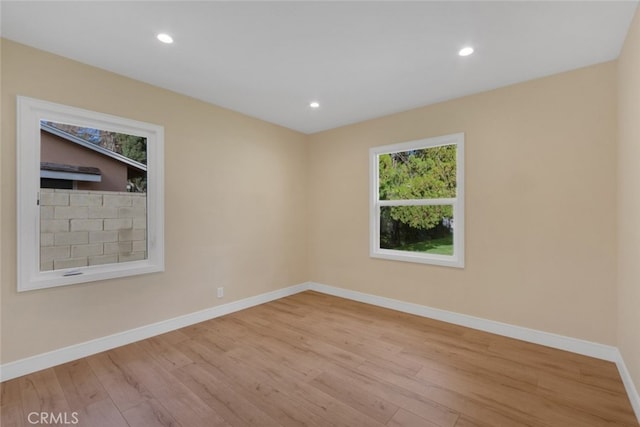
x: 632, y: 390
x: 436, y: 141
x: 30, y: 113
x: 600, y: 351
x: 575, y: 345
x: 406, y: 256
x: 417, y: 202
x: 457, y: 203
x: 561, y: 342
x: 63, y: 355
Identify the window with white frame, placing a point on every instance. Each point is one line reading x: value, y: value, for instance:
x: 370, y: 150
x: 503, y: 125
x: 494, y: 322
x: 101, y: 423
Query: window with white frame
x: 90, y: 195
x: 417, y: 201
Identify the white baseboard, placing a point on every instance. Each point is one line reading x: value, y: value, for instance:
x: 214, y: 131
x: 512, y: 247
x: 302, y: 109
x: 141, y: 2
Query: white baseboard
x: 632, y: 390
x: 77, y: 351
x: 56, y: 357
x: 561, y: 342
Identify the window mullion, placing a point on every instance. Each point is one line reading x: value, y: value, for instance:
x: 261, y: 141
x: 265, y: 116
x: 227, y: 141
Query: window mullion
x: 417, y: 202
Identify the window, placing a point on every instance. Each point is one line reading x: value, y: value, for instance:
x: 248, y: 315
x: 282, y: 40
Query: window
x: 90, y: 196
x: 417, y: 201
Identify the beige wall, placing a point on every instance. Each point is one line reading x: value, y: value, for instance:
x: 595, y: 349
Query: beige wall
x: 629, y: 201
x: 540, y: 206
x: 235, y: 207
x: 280, y: 208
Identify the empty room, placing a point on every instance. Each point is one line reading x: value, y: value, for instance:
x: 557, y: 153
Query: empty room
x: 320, y: 213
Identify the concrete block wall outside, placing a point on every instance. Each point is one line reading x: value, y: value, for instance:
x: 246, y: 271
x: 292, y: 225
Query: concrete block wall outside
x: 82, y: 228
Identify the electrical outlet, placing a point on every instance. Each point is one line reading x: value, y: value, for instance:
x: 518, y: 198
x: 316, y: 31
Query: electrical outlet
x: 220, y: 292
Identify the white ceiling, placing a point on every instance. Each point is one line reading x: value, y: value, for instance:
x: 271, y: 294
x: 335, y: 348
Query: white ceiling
x: 360, y: 59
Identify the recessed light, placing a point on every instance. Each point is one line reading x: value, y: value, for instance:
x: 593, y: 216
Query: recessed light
x: 314, y: 104
x: 466, y: 51
x: 165, y: 38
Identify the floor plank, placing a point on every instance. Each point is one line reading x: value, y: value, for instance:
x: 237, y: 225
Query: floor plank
x: 348, y: 392
x: 404, y: 418
x: 102, y: 413
x: 11, y: 411
x: 41, y: 392
x: 317, y: 360
x: 149, y: 413
x: 80, y: 385
x: 223, y: 398
x: 123, y: 388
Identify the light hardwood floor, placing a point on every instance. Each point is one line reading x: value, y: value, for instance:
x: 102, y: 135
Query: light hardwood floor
x: 318, y: 360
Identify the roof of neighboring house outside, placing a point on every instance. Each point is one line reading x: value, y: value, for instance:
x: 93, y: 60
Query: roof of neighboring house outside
x: 104, y: 151
x: 59, y: 167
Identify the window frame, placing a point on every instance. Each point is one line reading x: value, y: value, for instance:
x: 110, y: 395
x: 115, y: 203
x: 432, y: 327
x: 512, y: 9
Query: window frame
x: 375, y: 251
x: 30, y: 112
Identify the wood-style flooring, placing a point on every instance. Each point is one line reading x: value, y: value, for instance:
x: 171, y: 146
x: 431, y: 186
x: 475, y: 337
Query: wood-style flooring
x: 317, y: 360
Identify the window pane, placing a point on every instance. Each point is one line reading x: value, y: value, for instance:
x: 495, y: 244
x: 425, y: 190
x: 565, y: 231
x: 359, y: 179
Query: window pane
x: 428, y: 173
x: 427, y: 229
x: 93, y: 200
